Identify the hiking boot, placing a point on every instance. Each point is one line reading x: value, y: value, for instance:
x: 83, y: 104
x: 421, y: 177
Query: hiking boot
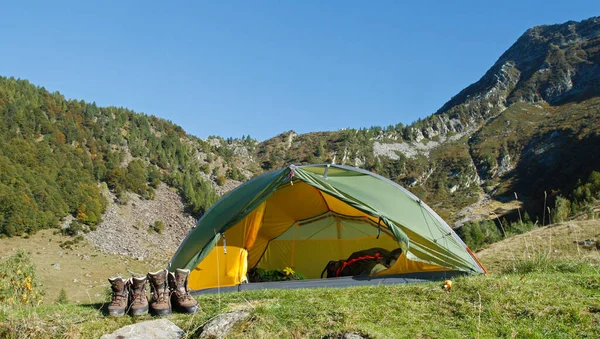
x: 160, y: 303
x: 138, y: 303
x: 180, y: 293
x: 120, y: 293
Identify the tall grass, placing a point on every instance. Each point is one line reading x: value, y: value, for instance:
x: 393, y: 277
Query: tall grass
x: 544, y: 262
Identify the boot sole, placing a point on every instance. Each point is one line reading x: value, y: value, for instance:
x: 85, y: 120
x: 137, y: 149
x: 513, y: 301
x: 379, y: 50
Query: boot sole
x: 189, y: 309
x: 161, y: 313
x: 139, y: 312
x: 116, y: 313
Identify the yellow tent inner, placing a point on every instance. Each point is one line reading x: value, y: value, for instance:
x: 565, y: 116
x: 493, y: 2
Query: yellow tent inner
x: 300, y: 227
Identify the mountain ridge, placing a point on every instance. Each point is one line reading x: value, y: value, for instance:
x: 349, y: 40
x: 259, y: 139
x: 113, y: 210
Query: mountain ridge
x: 540, y: 96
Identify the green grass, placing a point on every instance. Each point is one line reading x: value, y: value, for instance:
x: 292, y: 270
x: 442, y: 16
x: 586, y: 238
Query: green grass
x: 540, y: 305
x: 546, y: 303
x: 547, y: 291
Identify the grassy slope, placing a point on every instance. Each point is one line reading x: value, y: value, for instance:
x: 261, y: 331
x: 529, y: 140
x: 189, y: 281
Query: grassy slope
x: 83, y: 263
x: 554, y: 302
x: 556, y: 241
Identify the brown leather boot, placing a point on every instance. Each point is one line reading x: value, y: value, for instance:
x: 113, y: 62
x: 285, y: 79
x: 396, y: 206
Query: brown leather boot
x: 180, y: 293
x: 160, y: 303
x: 120, y: 295
x: 138, y: 302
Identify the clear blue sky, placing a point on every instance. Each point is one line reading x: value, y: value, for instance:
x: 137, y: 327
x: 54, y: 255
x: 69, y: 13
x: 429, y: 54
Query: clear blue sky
x: 232, y: 68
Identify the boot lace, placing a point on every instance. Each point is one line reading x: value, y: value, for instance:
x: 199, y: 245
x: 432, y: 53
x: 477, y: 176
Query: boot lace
x: 160, y: 295
x: 117, y: 298
x: 185, y: 295
x: 138, y: 297
x: 181, y: 290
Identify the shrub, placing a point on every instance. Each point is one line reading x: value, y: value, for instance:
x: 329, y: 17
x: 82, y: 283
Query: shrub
x: 590, y: 212
x: 234, y: 173
x: 148, y: 193
x: 518, y: 227
x: 158, y: 227
x: 68, y: 245
x: 221, y: 180
x: 74, y: 228
x: 122, y: 198
x: 18, y: 283
x: 62, y: 297
x: 478, y: 234
x: 562, y: 209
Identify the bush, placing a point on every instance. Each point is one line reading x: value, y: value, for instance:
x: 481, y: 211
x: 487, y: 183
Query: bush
x: 76, y: 227
x: 73, y: 229
x: 562, y: 209
x: 221, y: 180
x: 148, y: 193
x: 478, y: 234
x: 122, y: 198
x: 158, y: 227
x: 515, y: 228
x: 62, y: 297
x: 68, y: 245
x: 18, y: 283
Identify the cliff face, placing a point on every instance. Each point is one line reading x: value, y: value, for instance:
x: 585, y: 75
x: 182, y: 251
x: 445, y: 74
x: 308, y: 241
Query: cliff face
x: 553, y: 64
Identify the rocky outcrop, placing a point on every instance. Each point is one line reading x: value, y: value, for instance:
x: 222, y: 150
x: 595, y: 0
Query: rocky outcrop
x: 130, y: 229
x: 551, y: 63
x: 412, y: 149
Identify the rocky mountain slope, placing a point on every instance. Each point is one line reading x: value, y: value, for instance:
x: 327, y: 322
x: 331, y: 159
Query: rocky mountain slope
x: 526, y: 126
x: 143, y: 228
x: 529, y: 125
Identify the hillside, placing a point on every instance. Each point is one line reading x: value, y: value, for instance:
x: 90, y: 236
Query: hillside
x: 54, y: 153
x: 523, y: 128
x: 88, y: 192
x: 562, y: 241
x: 540, y: 283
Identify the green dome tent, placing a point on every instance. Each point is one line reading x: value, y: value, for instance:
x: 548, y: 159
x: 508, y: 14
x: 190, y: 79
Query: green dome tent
x: 305, y: 216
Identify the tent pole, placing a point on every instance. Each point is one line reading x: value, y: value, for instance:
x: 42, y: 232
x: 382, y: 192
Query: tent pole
x: 294, y: 244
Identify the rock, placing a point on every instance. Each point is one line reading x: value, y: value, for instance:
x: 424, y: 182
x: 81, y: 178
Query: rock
x: 351, y: 335
x: 221, y: 325
x: 56, y: 266
x: 161, y: 328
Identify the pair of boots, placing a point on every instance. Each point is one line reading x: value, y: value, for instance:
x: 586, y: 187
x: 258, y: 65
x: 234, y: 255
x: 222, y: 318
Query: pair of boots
x: 167, y: 288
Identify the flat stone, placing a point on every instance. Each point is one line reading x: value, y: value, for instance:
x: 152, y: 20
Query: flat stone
x: 161, y: 328
x: 223, y: 324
